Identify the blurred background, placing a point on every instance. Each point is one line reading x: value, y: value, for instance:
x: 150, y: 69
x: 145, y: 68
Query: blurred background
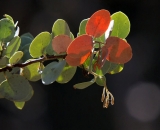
x: 60, y: 107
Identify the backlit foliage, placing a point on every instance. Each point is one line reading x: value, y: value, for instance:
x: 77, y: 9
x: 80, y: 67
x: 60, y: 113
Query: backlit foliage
x: 99, y: 48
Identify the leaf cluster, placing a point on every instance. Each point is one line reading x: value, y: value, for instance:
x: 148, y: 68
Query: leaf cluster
x: 99, y: 48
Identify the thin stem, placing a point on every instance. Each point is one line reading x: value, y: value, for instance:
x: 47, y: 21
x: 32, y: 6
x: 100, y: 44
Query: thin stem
x: 21, y: 65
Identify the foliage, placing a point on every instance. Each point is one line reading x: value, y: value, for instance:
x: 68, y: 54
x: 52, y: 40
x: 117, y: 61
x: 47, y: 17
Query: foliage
x: 99, y: 48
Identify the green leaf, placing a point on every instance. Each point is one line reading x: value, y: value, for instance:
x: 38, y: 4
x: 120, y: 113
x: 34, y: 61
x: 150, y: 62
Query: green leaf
x: 2, y: 77
x: 82, y: 27
x: 118, y: 69
x: 121, y: 26
x: 16, y: 57
x: 24, y: 41
x: 7, y: 30
x: 71, y: 36
x: 60, y: 27
x: 101, y: 81
x: 26, y: 54
x: 19, y: 105
x: 9, y: 17
x: 52, y: 71
x: 16, y: 88
x: 66, y: 74
x: 108, y: 67
x: 49, y: 49
x: 28, y: 35
x: 3, y: 62
x: 31, y: 72
x: 100, y: 39
x: 84, y: 84
x: 38, y: 45
x: 12, y: 47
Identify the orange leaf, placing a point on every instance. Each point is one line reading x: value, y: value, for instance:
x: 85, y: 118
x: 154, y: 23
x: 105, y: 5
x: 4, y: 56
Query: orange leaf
x: 119, y: 51
x: 60, y: 43
x: 76, y: 61
x: 80, y: 46
x: 98, y: 23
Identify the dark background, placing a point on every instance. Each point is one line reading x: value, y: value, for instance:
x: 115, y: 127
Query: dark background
x: 60, y: 107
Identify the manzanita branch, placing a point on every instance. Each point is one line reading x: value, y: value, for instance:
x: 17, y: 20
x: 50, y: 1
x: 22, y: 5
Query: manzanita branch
x: 42, y: 59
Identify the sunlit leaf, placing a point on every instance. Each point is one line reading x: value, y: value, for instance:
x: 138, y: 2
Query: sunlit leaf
x: 60, y: 43
x: 9, y: 17
x: 16, y: 88
x: 82, y: 27
x: 109, y: 30
x: 52, y: 71
x: 118, y: 69
x: 119, y: 51
x: 7, y: 30
x: 19, y: 105
x: 84, y: 84
x: 31, y: 72
x: 98, y: 23
x: 121, y: 26
x: 60, y: 27
x: 38, y: 45
x: 16, y: 57
x: 71, y: 36
x: 79, y: 50
x: 66, y: 74
x: 12, y: 47
x: 101, y: 81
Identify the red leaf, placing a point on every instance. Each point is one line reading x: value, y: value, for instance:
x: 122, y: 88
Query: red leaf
x: 80, y: 46
x: 79, y: 50
x: 76, y: 61
x: 98, y: 23
x: 60, y: 43
x: 119, y: 51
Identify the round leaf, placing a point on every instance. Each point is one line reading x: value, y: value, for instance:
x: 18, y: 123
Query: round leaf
x: 31, y: 72
x: 82, y: 27
x: 60, y: 43
x: 16, y: 57
x: 24, y: 41
x: 7, y: 30
x: 119, y: 51
x: 66, y: 74
x: 52, y: 71
x: 28, y: 35
x: 98, y: 23
x: 121, y: 26
x: 12, y: 47
x: 16, y: 88
x: 60, y: 27
x: 38, y: 45
x: 26, y: 54
x: 9, y: 17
